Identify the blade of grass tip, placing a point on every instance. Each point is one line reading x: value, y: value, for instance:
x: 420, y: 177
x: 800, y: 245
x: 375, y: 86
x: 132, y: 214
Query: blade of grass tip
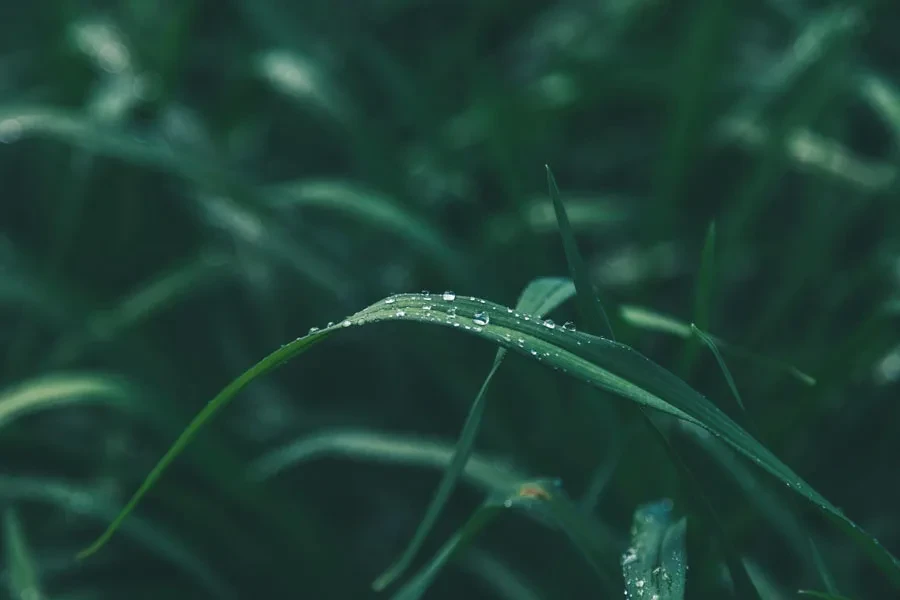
x: 269, y: 363
x: 23, y: 579
x: 588, y: 303
x: 702, y: 298
x: 543, y: 294
x: 711, y: 344
x: 822, y: 568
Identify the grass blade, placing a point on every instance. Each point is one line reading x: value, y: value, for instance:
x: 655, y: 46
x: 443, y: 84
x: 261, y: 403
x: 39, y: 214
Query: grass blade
x: 543, y: 295
x: 711, y: 344
x: 589, y: 305
x: 23, y: 578
x: 822, y: 568
x: 656, y: 564
x: 651, y: 320
x: 599, y: 362
x: 822, y: 595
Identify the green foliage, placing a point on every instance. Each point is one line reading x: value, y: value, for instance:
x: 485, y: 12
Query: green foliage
x: 188, y: 186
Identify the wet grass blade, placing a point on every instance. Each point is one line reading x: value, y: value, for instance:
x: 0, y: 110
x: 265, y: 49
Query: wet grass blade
x: 711, y: 344
x: 655, y: 564
x: 21, y: 571
x: 599, y: 362
x: 651, y: 320
x: 588, y: 303
x: 541, y: 295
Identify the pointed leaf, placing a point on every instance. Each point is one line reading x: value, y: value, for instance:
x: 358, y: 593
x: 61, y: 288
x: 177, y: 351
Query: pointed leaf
x: 712, y: 347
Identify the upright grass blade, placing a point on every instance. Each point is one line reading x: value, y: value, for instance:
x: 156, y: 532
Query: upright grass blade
x: 822, y: 568
x: 589, y: 305
x: 655, y: 564
x: 711, y: 344
x: 540, y: 296
x: 599, y: 362
x: 651, y: 320
x: 22, y: 573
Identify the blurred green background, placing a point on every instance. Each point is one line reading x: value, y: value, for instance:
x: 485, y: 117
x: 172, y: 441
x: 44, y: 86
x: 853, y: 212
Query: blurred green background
x: 187, y: 185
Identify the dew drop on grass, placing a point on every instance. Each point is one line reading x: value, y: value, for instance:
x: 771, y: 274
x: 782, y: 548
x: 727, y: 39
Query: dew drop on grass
x: 549, y: 324
x: 568, y: 326
x: 312, y: 330
x: 390, y: 300
x: 346, y: 323
x: 448, y: 296
x: 330, y: 324
x: 481, y: 318
x: 401, y: 313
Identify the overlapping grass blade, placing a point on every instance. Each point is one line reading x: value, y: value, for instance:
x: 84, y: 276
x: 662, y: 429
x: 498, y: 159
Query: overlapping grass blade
x: 655, y: 564
x: 711, y: 344
x: 651, y: 320
x: 541, y: 499
x: 21, y: 571
x: 599, y: 362
x: 505, y: 581
x: 540, y: 296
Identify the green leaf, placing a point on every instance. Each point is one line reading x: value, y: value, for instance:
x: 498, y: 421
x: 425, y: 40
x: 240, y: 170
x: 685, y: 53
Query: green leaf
x: 651, y: 320
x: 541, y: 295
x: 599, y: 362
x: 703, y: 300
x: 589, y: 306
x: 822, y: 568
x: 655, y: 564
x: 822, y: 595
x: 22, y: 573
x: 711, y: 344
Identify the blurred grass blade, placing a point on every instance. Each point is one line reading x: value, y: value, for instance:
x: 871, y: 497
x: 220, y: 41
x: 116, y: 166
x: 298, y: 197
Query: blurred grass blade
x: 703, y: 300
x: 597, y: 361
x: 711, y: 344
x: 543, y: 295
x: 504, y: 580
x: 821, y: 595
x: 651, y: 320
x: 655, y: 563
x: 383, y: 447
x: 822, y: 568
x: 81, y: 502
x: 54, y: 391
x: 22, y: 573
x: 588, y: 302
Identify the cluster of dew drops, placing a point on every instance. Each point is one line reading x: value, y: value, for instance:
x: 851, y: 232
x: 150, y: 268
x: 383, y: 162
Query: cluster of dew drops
x: 479, y: 320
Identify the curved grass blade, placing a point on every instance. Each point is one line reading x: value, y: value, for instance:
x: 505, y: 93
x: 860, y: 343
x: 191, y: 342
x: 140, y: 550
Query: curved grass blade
x: 384, y: 447
x: 599, y: 362
x: 370, y: 207
x: 505, y: 582
x: 22, y: 573
x: 540, y: 296
x: 655, y: 563
x: 711, y: 344
x: 588, y: 303
x: 651, y: 320
x: 53, y: 391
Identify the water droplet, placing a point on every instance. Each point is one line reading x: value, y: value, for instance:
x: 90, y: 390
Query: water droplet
x: 521, y: 341
x: 568, y: 326
x: 448, y: 296
x: 534, y: 352
x: 400, y: 313
x: 549, y: 324
x: 507, y: 503
x: 312, y: 330
x: 481, y: 318
x: 509, y: 310
x: 456, y: 324
x: 330, y: 324
x: 426, y: 293
x: 346, y: 323
x: 427, y: 307
x: 390, y: 300
x: 639, y: 583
